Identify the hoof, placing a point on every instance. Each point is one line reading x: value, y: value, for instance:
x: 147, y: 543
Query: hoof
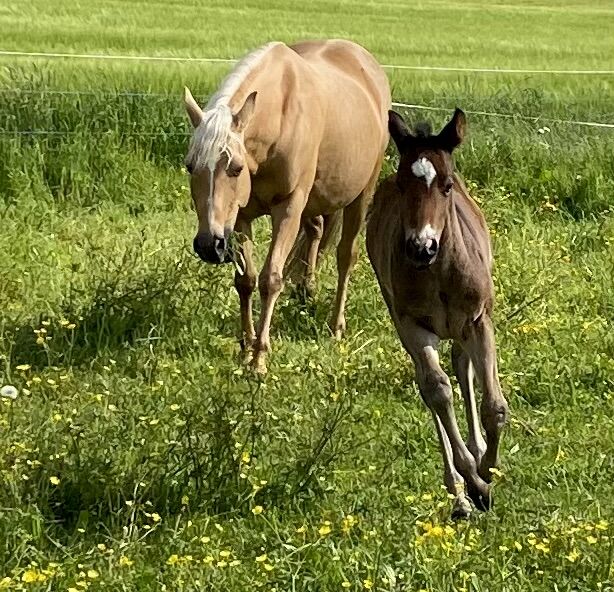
x: 481, y: 496
x: 462, y: 508
x: 258, y: 365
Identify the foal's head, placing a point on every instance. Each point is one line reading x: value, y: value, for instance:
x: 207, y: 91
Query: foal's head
x: 220, y: 179
x: 425, y: 179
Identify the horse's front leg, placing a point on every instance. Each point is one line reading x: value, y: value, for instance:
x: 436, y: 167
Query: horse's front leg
x: 286, y: 219
x: 245, y: 283
x: 494, y: 409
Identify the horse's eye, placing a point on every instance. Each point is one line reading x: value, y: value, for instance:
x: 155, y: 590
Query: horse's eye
x: 447, y: 190
x: 234, y: 170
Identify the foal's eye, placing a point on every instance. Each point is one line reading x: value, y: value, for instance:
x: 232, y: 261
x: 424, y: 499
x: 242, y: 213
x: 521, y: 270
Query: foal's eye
x: 234, y: 170
x: 447, y: 190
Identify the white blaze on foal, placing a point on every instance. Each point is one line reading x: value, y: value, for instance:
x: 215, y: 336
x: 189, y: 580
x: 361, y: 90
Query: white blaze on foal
x: 423, y: 167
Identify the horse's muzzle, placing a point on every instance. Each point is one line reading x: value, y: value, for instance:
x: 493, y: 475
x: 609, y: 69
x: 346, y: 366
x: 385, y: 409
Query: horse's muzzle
x: 421, y: 253
x: 211, y: 248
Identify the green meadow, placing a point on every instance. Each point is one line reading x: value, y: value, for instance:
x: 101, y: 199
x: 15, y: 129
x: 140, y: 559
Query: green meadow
x: 140, y: 455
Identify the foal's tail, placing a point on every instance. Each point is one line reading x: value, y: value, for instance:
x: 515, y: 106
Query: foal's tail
x: 298, y: 255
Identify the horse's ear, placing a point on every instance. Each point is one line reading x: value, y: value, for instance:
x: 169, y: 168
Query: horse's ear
x: 195, y: 113
x: 453, y: 132
x: 244, y: 114
x: 398, y: 130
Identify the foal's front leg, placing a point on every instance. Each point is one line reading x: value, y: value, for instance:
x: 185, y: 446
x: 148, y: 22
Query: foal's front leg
x: 286, y: 218
x: 494, y: 409
x: 436, y: 391
x: 245, y: 283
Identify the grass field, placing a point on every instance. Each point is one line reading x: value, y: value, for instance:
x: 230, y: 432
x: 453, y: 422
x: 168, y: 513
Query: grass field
x: 139, y: 455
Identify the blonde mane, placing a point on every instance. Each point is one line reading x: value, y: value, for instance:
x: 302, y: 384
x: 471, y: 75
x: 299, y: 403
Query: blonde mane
x: 214, y: 135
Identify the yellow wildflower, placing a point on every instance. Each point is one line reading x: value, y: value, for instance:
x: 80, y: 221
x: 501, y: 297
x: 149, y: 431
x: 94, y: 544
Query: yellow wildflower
x: 225, y: 553
x: 156, y: 517
x: 268, y: 567
x: 125, y: 562
x: 245, y: 457
x: 591, y: 540
x: 518, y: 546
x: 92, y: 574
x: 257, y: 510
x: 54, y: 480
x: 23, y: 367
x: 175, y: 407
x: 345, y: 584
x: 301, y: 529
x: 368, y: 583
x: 573, y: 555
x: 325, y: 529
x: 173, y: 559
x: 261, y: 558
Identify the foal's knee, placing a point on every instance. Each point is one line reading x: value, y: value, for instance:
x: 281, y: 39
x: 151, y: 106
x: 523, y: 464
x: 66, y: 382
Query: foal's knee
x: 437, y: 392
x: 494, y: 414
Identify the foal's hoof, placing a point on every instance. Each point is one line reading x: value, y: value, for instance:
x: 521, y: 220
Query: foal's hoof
x: 481, y: 496
x: 462, y: 508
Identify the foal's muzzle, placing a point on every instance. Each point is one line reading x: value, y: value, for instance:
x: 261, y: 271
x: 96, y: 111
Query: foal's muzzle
x: 421, y: 252
x: 211, y: 248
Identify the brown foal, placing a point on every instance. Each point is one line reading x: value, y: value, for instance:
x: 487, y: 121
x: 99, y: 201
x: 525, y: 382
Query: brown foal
x: 430, y: 249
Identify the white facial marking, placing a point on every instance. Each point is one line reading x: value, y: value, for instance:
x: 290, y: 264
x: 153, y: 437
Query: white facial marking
x: 423, y: 167
x: 426, y: 235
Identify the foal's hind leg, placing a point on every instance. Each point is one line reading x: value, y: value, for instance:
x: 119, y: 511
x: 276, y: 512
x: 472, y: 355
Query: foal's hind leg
x: 463, y: 368
x: 481, y: 347
x: 347, y: 255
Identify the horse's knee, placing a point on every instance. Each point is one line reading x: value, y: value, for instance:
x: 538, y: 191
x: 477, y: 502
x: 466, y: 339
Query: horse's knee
x: 270, y: 283
x: 245, y: 283
x: 314, y: 227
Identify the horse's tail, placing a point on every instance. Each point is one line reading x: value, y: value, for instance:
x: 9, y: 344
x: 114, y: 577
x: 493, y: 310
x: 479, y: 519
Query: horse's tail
x: 298, y: 255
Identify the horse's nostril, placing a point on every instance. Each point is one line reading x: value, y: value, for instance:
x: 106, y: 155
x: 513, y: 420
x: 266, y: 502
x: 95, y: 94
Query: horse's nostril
x: 219, y: 244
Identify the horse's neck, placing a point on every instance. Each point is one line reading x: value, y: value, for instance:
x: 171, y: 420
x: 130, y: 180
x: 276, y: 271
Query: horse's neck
x: 264, y: 127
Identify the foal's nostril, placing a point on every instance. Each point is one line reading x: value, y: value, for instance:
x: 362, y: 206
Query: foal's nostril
x: 431, y: 246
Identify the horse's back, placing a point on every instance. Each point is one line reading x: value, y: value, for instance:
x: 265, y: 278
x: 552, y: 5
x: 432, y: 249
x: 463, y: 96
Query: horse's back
x: 349, y: 88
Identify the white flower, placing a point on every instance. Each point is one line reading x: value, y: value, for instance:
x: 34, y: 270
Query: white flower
x: 9, y: 391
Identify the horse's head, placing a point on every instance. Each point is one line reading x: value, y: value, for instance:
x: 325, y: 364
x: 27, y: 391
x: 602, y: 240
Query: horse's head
x: 220, y: 180
x: 426, y: 180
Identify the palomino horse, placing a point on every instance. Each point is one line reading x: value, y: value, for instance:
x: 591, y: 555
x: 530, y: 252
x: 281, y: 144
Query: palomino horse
x: 430, y: 249
x: 298, y: 133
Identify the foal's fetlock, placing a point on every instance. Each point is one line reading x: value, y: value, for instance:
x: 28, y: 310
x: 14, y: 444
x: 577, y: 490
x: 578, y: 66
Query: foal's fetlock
x: 461, y: 508
x: 480, y: 494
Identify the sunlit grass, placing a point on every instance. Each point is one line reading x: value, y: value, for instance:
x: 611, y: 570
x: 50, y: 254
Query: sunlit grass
x: 138, y: 454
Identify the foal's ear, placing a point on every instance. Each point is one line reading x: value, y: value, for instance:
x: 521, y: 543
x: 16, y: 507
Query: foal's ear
x: 453, y: 132
x: 398, y: 130
x: 195, y: 113
x: 244, y: 114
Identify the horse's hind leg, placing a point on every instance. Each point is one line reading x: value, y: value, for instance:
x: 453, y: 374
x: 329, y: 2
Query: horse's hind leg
x: 314, y: 229
x: 463, y: 368
x: 347, y: 255
x: 481, y: 347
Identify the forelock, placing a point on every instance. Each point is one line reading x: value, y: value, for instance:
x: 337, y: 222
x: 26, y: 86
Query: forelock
x: 212, y: 138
